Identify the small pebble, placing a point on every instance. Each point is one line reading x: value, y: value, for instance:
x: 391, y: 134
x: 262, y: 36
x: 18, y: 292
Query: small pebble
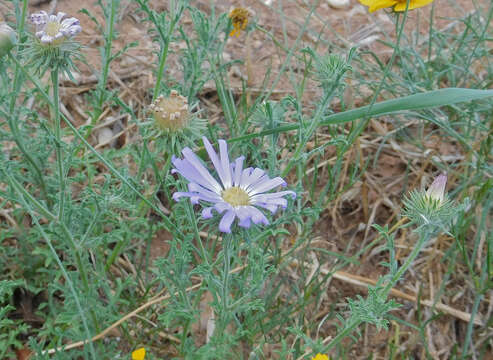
x: 338, y: 4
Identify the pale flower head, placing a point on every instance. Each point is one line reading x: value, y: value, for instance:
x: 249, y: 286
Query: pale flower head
x: 53, y: 29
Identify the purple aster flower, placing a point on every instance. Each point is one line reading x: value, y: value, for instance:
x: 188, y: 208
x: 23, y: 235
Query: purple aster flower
x: 239, y: 192
x: 52, y: 30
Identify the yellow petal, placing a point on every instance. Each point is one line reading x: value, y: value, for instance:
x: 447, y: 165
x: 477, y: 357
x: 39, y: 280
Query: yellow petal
x: 321, y: 357
x: 413, y: 4
x: 139, y: 354
x: 378, y: 4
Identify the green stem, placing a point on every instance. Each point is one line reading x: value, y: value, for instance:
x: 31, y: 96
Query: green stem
x: 66, y: 232
x: 225, y: 285
x: 58, y: 142
x: 106, y: 66
x: 23, y: 17
x: 345, y: 332
x: 470, y: 326
x: 13, y: 125
x: 54, y: 219
x: 385, y: 291
x: 64, y: 272
x: 416, y: 250
x: 162, y: 60
x: 306, y: 136
x: 77, y: 133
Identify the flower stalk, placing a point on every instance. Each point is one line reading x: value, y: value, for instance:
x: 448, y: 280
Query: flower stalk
x: 11, y: 119
x: 58, y: 141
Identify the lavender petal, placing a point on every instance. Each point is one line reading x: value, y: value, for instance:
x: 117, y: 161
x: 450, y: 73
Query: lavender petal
x: 195, y: 162
x: 245, y: 174
x: 215, y: 159
x: 226, y: 221
x: 275, y: 195
x: 194, y: 197
x: 190, y: 172
x: 207, y: 212
x: 266, y: 185
x: 223, y: 153
x: 244, y: 216
x: 238, y: 170
x: 39, y: 18
x: 70, y: 22
x: 60, y: 16
x: 46, y: 39
x: 272, y: 208
x: 206, y: 193
x: 257, y: 216
x: 254, y: 176
x: 222, y: 207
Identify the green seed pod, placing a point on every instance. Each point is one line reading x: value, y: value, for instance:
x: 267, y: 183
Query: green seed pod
x: 8, y: 39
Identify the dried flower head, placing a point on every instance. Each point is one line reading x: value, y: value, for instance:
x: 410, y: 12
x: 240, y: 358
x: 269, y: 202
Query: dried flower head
x: 239, y: 18
x: 139, y: 354
x: 171, y: 113
x: 399, y: 5
x: 52, y: 30
x: 7, y: 39
x: 239, y: 192
x: 320, y: 357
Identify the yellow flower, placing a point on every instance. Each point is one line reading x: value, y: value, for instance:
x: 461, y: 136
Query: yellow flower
x: 399, y: 5
x: 321, y: 357
x: 139, y: 354
x: 239, y: 18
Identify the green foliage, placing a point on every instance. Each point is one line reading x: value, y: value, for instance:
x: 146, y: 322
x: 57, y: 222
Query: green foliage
x: 79, y: 225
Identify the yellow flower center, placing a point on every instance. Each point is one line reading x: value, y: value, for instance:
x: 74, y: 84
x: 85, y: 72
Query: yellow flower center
x: 236, y: 196
x: 52, y: 28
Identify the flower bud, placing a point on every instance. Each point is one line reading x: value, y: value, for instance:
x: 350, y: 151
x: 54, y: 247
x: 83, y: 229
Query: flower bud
x: 436, y: 191
x: 7, y: 39
x: 431, y: 207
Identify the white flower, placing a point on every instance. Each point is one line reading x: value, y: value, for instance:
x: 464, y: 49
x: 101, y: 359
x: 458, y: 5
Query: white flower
x: 52, y: 30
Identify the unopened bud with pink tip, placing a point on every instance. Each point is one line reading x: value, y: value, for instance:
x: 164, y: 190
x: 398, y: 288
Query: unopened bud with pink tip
x: 436, y: 191
x: 431, y: 207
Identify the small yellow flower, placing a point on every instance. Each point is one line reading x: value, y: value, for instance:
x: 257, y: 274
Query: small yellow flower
x: 399, y: 5
x: 239, y: 18
x: 321, y: 357
x: 139, y: 354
